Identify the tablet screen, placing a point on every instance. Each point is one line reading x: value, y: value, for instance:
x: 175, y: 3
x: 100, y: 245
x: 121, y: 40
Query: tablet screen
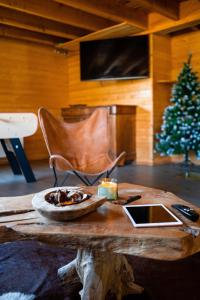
x: 148, y: 215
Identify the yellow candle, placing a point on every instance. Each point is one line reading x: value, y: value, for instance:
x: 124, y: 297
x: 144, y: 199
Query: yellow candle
x: 108, y: 188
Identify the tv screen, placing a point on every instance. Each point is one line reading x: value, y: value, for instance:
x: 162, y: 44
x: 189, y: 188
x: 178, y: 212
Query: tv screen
x: 120, y: 58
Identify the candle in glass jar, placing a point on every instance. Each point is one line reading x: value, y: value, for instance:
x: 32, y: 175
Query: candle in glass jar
x: 108, y: 188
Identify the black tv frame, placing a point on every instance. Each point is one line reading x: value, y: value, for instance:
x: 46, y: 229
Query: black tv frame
x: 106, y: 50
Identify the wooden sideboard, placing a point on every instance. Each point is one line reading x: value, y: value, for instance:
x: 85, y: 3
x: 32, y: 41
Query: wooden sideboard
x: 122, y: 125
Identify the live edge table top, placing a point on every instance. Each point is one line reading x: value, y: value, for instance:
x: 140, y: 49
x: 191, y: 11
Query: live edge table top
x: 106, y: 229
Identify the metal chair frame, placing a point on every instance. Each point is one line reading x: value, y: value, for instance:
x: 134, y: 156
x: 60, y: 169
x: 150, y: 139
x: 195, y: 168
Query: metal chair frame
x: 83, y: 178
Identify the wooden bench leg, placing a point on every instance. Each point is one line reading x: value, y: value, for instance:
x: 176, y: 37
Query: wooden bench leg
x: 102, y: 274
x: 22, y: 160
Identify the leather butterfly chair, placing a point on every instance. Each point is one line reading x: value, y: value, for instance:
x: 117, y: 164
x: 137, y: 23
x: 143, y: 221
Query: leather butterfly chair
x: 81, y: 147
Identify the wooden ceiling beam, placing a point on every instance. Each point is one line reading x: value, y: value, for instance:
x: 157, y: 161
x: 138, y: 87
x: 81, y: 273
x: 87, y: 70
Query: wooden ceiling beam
x: 116, y: 31
x: 171, y: 28
x: 169, y: 9
x: 26, y: 35
x: 54, y: 11
x: 38, y: 24
x: 110, y: 10
x: 189, y: 16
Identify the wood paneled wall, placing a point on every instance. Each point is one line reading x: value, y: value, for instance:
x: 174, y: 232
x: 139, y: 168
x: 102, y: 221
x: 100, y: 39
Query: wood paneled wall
x: 161, y: 74
x: 182, y: 45
x: 31, y: 76
x: 125, y: 92
x: 161, y: 87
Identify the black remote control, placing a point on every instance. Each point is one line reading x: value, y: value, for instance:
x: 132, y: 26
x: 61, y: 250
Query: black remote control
x: 187, y: 212
x: 133, y: 198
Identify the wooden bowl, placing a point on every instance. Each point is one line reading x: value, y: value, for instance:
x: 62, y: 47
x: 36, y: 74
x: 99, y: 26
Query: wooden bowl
x: 65, y: 213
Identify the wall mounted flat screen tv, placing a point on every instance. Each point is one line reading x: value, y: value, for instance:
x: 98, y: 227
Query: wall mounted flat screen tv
x: 119, y: 58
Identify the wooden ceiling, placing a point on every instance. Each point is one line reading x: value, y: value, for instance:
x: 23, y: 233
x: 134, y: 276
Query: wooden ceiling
x: 62, y: 23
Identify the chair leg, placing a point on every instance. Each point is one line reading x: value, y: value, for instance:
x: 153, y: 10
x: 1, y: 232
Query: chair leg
x: 88, y: 181
x: 107, y: 175
x: 110, y: 171
x: 56, y: 178
x: 97, y: 178
x: 84, y: 180
x: 66, y: 176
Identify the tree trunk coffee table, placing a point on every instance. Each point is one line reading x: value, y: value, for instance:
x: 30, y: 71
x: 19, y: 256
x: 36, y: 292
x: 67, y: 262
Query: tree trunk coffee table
x: 102, y: 238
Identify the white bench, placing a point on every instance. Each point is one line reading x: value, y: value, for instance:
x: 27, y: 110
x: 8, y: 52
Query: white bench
x: 13, y: 127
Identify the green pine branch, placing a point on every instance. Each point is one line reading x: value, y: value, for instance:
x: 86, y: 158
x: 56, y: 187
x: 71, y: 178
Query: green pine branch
x: 180, y: 130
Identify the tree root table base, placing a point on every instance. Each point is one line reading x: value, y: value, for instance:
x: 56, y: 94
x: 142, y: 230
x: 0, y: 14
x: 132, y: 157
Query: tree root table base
x: 102, y: 275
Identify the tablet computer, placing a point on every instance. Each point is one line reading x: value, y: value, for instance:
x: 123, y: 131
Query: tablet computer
x: 148, y: 215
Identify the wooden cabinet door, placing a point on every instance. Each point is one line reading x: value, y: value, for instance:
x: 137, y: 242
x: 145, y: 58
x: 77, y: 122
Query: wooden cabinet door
x: 122, y: 120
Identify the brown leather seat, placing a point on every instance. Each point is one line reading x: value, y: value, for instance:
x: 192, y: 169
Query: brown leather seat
x: 82, y: 147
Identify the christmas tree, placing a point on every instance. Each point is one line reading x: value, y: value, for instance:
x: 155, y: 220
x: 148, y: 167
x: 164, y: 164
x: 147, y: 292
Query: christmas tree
x: 180, y: 131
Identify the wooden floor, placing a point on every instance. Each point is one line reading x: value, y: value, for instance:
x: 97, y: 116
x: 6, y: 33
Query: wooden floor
x: 167, y: 177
